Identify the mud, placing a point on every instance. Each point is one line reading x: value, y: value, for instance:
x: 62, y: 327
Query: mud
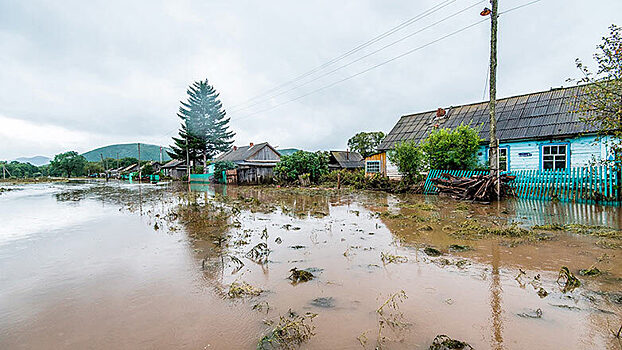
x: 95, y: 265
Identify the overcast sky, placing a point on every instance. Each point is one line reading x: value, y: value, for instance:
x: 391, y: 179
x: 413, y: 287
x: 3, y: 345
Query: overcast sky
x: 76, y: 75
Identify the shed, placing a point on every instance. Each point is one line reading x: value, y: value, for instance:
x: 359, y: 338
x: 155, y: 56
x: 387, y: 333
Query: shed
x: 255, y: 162
x: 345, y: 160
x: 176, y: 169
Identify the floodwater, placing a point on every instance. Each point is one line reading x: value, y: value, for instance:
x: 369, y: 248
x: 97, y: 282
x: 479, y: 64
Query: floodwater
x: 89, y: 265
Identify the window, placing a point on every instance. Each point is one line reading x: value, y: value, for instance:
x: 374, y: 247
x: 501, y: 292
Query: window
x: 503, y: 158
x: 554, y: 157
x: 372, y: 166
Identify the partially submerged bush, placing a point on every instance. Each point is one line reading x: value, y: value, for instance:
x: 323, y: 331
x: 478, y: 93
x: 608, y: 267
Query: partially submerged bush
x: 299, y: 163
x: 298, y: 276
x: 409, y: 159
x: 443, y: 342
x: 289, y: 333
x: 242, y: 289
x: 567, y: 280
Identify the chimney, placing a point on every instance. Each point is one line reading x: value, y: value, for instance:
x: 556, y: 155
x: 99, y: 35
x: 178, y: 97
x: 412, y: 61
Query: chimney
x: 348, y: 154
x: 235, y: 148
x: 440, y: 113
x: 252, y: 144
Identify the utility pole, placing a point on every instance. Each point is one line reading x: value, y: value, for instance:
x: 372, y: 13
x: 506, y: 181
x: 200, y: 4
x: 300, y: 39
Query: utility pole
x: 160, y: 154
x: 494, y: 143
x: 187, y: 160
x: 139, y: 167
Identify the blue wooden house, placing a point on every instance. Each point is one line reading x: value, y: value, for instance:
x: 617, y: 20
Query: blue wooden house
x: 536, y: 131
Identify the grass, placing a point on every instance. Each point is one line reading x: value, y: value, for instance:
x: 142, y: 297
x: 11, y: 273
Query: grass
x: 242, y: 289
x: 290, y: 333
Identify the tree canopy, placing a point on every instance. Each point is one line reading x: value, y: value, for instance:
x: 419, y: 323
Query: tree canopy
x: 300, y: 163
x: 601, y: 102
x: 452, y: 149
x: 204, y: 129
x: 366, y: 143
x: 68, y: 164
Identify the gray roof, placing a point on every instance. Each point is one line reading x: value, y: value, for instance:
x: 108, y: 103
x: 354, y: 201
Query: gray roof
x: 241, y: 153
x: 347, y: 159
x: 173, y: 163
x: 538, y: 115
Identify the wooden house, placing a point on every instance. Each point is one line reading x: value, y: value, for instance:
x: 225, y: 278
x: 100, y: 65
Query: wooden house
x: 255, y: 162
x: 345, y: 160
x: 536, y: 131
x: 176, y: 169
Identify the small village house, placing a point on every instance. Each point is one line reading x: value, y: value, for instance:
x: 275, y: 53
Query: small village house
x: 176, y: 169
x: 255, y: 162
x: 536, y: 131
x: 345, y: 160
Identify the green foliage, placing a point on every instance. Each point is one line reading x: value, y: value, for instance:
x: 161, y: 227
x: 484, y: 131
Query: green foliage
x: 147, y: 169
x: 601, y: 102
x: 299, y: 163
x: 68, y: 164
x: 219, y: 167
x: 366, y: 143
x: 94, y: 168
x: 19, y: 170
x: 452, y: 150
x: 204, y: 130
x: 409, y: 159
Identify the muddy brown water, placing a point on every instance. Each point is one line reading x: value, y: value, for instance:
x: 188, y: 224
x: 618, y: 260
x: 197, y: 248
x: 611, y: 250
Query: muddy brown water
x: 93, y: 265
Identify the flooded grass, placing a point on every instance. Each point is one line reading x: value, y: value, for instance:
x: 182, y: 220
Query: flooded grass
x: 230, y: 263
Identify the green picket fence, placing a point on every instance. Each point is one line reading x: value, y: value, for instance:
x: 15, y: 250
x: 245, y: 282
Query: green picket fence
x: 597, y: 184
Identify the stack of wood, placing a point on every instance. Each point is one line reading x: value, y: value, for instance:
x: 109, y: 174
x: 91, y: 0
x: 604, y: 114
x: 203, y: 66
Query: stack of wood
x: 482, y: 188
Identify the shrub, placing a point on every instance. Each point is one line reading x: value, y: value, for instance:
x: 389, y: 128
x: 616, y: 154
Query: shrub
x: 409, y: 159
x: 299, y: 163
x: 219, y: 167
x: 448, y: 150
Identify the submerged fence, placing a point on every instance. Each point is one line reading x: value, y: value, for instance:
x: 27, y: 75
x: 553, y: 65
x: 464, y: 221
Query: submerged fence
x: 597, y: 184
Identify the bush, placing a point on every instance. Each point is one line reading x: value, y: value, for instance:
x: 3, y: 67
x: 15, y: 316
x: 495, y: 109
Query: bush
x: 219, y: 167
x: 409, y: 159
x: 452, y: 150
x: 299, y: 163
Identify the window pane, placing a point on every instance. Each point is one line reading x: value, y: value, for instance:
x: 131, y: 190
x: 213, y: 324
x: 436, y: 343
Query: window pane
x: 546, y: 149
x: 549, y: 158
x: 560, y: 165
x: 562, y: 149
x: 547, y: 165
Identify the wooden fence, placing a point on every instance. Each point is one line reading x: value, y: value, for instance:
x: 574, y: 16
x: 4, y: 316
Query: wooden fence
x: 597, y: 184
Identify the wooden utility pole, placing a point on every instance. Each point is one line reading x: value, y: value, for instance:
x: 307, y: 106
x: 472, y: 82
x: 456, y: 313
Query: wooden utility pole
x: 139, y: 167
x: 494, y: 143
x: 187, y: 160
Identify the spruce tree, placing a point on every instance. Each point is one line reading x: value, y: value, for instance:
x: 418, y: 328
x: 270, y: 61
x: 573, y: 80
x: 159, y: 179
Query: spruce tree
x: 204, y: 129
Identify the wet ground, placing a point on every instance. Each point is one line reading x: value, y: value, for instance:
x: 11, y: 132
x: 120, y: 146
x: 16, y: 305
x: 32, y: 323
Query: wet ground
x: 95, y: 265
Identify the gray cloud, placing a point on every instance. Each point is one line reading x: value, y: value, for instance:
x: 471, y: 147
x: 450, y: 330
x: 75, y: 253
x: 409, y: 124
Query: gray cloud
x: 114, y: 71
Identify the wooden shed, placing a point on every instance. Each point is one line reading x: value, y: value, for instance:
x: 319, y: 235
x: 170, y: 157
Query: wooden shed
x: 255, y: 162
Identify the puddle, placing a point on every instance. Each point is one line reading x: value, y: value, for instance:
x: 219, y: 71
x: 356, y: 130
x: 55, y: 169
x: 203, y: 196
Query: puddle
x: 94, y: 265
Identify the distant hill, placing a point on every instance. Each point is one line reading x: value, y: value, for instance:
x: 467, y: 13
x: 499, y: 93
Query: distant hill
x: 147, y: 152
x: 287, y: 151
x: 36, y: 160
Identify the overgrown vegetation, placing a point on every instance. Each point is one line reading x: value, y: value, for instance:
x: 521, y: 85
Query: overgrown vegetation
x: 452, y: 149
x: 409, y: 159
x: 219, y: 167
x: 291, y: 331
x: 300, y: 163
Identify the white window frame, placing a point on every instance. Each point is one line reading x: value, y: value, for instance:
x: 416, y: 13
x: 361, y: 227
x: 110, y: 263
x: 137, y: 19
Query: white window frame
x: 368, y: 162
x: 556, y: 157
x: 507, y: 157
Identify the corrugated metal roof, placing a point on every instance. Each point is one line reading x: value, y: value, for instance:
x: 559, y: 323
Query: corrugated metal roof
x: 348, y: 159
x: 546, y: 114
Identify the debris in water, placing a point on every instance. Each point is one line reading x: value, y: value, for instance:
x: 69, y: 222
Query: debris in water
x: 388, y: 258
x: 298, y: 276
x: 542, y: 293
x: 568, y: 307
x: 426, y: 228
x: 324, y: 302
x: 261, y: 306
x: 531, y: 314
x: 592, y: 271
x: 238, y: 264
x: 278, y: 240
x: 259, y: 253
x: 431, y: 251
x: 443, y: 342
x: 264, y: 233
x: 289, y: 333
x: 298, y: 246
x: 457, y: 248
x: 567, y: 280
x: 389, y: 315
x: 242, y: 289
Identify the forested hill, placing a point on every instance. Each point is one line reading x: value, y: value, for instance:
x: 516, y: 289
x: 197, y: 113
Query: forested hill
x: 147, y: 152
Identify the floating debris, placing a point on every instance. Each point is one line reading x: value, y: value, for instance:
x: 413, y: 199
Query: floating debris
x: 298, y: 246
x: 531, y: 314
x: 264, y: 233
x: 289, y: 333
x: 592, y: 271
x: 261, y: 306
x: 298, y: 276
x: 323, y: 302
x: 457, y: 248
x: 567, y: 307
x: 242, y: 289
x: 259, y: 253
x: 542, y: 293
x: 443, y: 342
x: 237, y: 262
x: 567, y: 280
x: 388, y: 258
x: 278, y: 240
x: 431, y: 251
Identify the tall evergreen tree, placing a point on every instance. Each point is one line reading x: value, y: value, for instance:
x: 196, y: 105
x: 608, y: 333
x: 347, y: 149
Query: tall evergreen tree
x: 204, y: 129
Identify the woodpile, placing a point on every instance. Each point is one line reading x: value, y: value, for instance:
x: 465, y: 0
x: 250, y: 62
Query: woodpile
x: 481, y: 188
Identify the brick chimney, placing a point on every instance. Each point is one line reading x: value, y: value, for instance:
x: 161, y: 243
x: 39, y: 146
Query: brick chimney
x: 440, y: 113
x: 252, y: 144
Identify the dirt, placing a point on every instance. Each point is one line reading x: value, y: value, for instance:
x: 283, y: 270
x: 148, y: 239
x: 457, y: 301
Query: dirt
x: 89, y: 269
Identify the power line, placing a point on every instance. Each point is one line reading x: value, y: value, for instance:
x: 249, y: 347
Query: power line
x: 384, y: 62
x: 363, y: 57
x: 354, y: 50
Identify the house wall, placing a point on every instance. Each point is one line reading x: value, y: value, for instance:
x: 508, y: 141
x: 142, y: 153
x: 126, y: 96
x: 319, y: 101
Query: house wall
x: 525, y: 155
x: 255, y: 175
x: 266, y: 153
x: 386, y: 167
